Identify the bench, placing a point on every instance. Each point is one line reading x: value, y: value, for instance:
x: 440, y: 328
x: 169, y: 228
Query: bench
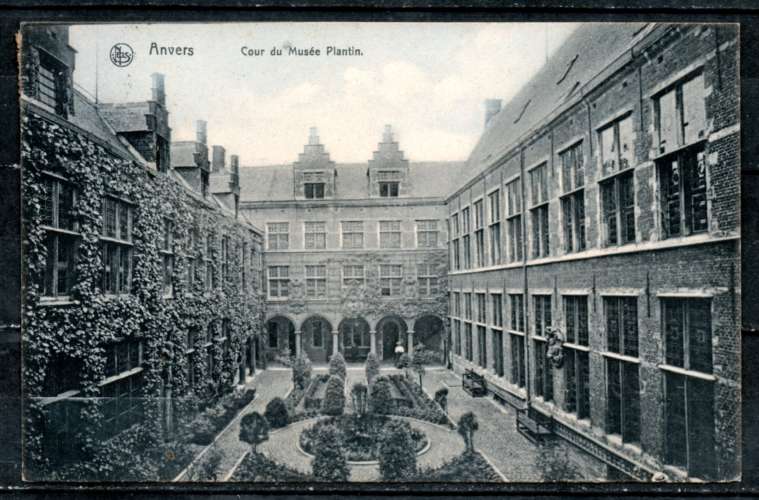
x: 533, y: 424
x: 473, y: 383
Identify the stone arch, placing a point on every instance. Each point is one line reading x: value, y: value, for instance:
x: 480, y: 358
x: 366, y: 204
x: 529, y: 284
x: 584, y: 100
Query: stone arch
x: 355, y: 339
x: 280, y: 335
x: 390, y: 330
x: 429, y: 330
x: 316, y: 338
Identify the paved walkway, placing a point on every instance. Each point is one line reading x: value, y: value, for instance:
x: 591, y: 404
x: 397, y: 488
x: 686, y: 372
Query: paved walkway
x: 497, y: 438
x: 282, y: 448
x: 268, y: 384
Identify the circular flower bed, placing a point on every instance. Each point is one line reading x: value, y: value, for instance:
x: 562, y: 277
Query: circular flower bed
x: 361, y: 436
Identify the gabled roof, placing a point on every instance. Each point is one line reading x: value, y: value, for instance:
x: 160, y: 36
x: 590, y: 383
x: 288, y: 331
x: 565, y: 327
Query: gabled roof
x: 275, y: 182
x: 87, y: 117
x: 128, y: 116
x: 585, y: 53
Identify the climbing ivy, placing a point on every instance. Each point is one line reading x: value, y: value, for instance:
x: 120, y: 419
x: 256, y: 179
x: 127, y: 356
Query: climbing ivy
x: 80, y: 329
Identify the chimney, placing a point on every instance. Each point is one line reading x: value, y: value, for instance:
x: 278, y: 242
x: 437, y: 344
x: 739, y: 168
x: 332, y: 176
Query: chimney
x: 313, y: 136
x: 234, y: 164
x: 492, y: 108
x: 201, y: 131
x: 387, y: 135
x: 159, y: 93
x: 217, y: 158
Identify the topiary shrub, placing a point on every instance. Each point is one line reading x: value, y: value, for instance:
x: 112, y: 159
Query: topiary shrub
x: 301, y: 371
x: 334, y: 396
x: 467, y: 426
x: 337, y: 365
x: 276, y: 413
x: 254, y: 429
x: 380, y: 398
x: 372, y: 368
x: 397, y: 456
x: 441, y: 398
x: 329, y: 462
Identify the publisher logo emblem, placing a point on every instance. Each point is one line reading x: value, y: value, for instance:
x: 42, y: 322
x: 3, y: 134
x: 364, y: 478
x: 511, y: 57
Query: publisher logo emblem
x: 122, y: 55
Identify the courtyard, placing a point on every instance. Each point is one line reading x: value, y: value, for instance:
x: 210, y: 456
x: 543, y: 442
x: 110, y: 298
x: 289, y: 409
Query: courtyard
x: 509, y: 455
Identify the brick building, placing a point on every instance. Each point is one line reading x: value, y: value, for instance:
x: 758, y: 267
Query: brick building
x: 594, y: 257
x: 355, y: 253
x: 129, y: 264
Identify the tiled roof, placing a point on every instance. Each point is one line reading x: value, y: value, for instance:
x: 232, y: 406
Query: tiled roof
x: 127, y: 117
x: 275, y: 182
x: 587, y: 51
x: 86, y: 117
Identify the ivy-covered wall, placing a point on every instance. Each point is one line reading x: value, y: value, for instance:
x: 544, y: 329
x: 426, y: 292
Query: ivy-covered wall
x: 79, y: 329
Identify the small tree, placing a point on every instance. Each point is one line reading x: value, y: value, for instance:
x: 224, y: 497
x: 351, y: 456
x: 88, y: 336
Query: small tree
x: 276, y: 413
x: 254, y: 429
x: 337, y: 365
x: 329, y: 462
x: 397, y: 454
x: 359, y: 398
x: 301, y: 371
x: 372, y: 368
x: 380, y: 397
x: 334, y: 396
x: 441, y: 398
x: 467, y: 426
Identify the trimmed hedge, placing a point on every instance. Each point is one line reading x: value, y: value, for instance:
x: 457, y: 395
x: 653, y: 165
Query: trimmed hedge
x: 276, y: 413
x: 467, y: 467
x: 256, y: 467
x: 337, y: 365
x: 334, y: 396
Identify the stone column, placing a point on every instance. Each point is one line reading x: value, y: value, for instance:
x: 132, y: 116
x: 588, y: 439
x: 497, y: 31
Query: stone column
x: 297, y: 342
x: 373, y: 342
x: 410, y: 340
x: 334, y: 342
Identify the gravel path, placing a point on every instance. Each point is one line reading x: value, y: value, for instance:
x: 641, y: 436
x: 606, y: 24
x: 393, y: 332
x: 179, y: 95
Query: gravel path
x: 282, y: 447
x: 268, y: 384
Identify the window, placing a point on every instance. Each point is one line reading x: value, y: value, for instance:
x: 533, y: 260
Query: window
x: 167, y: 255
x: 455, y: 253
x: 278, y: 235
x: 618, y: 203
x: 621, y: 325
x: 390, y: 234
x: 494, y: 225
x: 190, y: 255
x: 244, y: 267
x: 353, y: 234
x: 516, y: 332
x: 317, y: 333
x: 465, y: 221
x: 316, y: 282
x: 353, y: 275
x: 116, y: 244
x: 482, y: 315
x: 497, y: 303
x: 539, y: 211
x: 51, y: 79
x: 479, y: 234
x: 279, y: 281
x: 689, y: 391
x: 682, y: 178
x: 388, y: 189
x: 496, y: 326
x: 225, y: 258
x: 427, y: 280
x: 573, y: 200
x: 426, y: 233
x: 680, y: 114
x: 122, y: 398
x: 208, y: 262
x: 468, y: 306
x: 622, y: 377
x: 468, y: 341
x: 577, y: 360
x: 457, y: 337
x: 313, y: 190
x: 457, y: 304
x: 616, y: 145
x: 514, y: 220
x: 315, y: 235
x: 61, y: 238
x: 355, y: 334
x: 543, y: 375
x: 390, y: 279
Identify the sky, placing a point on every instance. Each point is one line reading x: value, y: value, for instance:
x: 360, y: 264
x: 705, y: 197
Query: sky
x: 428, y: 80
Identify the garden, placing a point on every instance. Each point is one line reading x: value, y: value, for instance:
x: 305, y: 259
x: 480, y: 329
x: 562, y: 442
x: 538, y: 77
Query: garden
x: 380, y: 430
